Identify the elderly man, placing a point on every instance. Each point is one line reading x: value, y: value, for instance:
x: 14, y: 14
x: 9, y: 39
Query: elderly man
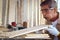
x: 49, y: 11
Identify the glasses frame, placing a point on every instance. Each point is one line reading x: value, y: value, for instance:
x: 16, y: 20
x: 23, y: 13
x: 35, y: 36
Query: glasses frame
x: 46, y: 10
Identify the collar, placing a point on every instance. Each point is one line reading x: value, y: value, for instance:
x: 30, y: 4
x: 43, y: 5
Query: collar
x: 54, y: 23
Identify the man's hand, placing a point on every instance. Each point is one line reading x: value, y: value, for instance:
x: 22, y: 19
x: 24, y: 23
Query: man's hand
x: 52, y: 30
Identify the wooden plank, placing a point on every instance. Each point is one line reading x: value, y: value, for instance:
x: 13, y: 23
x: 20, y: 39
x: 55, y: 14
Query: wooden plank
x: 25, y: 31
x: 37, y: 36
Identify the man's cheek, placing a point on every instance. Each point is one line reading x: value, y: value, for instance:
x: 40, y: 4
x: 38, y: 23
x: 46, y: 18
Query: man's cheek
x: 49, y: 15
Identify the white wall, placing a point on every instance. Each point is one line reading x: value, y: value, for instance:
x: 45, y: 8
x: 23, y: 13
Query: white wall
x: 0, y: 12
x: 31, y: 13
x: 12, y: 11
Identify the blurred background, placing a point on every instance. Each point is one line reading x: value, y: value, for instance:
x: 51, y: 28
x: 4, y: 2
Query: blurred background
x: 24, y: 12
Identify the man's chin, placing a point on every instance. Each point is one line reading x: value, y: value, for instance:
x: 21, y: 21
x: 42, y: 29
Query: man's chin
x: 51, y: 20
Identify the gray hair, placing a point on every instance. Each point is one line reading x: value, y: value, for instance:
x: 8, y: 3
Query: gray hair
x: 50, y: 3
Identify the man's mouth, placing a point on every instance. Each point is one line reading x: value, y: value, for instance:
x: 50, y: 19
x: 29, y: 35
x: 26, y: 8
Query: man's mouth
x: 47, y: 19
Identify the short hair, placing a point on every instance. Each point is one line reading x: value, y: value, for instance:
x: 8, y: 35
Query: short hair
x: 50, y: 3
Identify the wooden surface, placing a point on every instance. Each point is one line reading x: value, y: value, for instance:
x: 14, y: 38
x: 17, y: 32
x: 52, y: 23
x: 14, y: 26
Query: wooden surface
x: 38, y: 36
x: 24, y: 31
x: 4, y: 29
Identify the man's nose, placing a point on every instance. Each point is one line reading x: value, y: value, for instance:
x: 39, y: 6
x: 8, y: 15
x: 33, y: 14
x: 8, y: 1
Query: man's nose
x: 44, y: 14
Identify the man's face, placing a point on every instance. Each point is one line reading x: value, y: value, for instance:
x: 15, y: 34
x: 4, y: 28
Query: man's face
x: 48, y: 13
